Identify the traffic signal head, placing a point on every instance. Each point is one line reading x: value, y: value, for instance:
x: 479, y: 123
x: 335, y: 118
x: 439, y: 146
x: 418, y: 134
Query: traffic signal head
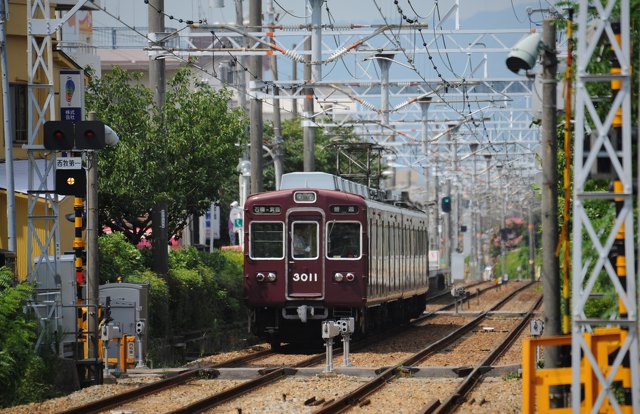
x: 446, y: 204
x: 89, y: 135
x: 58, y: 135
x: 71, y: 182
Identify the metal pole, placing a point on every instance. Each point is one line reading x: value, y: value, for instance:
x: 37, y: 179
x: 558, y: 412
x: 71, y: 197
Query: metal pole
x: 385, y: 62
x: 255, y: 111
x: 294, y: 77
x: 8, y: 135
x: 157, y: 82
x: 550, y: 278
x: 316, y: 39
x: 532, y: 245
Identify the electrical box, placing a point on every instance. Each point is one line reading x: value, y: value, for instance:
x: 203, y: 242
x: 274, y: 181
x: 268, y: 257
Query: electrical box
x: 56, y: 293
x: 129, y: 310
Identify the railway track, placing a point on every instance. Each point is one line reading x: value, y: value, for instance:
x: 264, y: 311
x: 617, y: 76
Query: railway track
x: 267, y: 375
x: 390, y: 374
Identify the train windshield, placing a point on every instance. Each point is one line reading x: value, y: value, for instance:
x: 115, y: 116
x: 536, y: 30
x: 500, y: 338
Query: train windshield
x: 266, y: 240
x: 343, y: 240
x: 305, y: 240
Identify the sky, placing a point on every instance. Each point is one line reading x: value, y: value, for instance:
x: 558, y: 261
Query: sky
x: 473, y: 13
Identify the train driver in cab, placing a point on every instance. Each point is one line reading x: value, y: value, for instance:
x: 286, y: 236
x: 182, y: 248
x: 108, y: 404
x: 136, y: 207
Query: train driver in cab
x: 301, y: 245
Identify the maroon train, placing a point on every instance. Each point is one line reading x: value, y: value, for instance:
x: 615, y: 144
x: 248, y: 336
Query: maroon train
x: 320, y: 248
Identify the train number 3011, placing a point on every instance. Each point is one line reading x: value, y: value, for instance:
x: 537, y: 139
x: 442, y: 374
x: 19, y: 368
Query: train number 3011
x: 305, y: 277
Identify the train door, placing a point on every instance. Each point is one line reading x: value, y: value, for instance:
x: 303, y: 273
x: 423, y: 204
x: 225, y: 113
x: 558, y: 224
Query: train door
x: 305, y: 258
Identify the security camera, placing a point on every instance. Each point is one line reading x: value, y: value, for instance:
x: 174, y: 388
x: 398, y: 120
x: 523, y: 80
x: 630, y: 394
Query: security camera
x: 524, y: 54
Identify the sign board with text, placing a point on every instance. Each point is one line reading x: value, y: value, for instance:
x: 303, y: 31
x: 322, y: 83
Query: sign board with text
x: 71, y: 95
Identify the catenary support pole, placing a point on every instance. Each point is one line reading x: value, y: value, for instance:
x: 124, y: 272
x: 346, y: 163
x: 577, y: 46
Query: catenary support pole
x: 255, y: 111
x: 550, y: 277
x: 157, y: 82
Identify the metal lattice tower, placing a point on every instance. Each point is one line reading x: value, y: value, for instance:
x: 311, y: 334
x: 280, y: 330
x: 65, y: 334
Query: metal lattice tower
x: 41, y: 107
x: 588, y: 267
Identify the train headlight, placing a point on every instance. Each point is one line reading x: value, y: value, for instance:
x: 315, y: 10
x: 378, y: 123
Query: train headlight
x: 350, y: 277
x: 338, y: 277
x: 260, y: 277
x: 271, y: 277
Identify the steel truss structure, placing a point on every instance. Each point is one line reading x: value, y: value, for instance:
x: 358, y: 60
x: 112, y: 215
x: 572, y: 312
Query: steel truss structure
x: 488, y: 109
x: 587, y: 267
x: 41, y: 263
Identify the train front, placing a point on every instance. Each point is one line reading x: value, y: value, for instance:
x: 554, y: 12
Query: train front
x: 305, y: 261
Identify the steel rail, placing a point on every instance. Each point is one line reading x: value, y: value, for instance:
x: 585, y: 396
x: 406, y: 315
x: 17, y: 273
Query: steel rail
x: 390, y: 373
x: 209, y: 371
x: 119, y: 399
x: 221, y: 397
x: 452, y: 402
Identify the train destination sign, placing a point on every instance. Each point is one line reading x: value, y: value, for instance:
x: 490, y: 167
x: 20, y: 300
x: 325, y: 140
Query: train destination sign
x: 344, y: 209
x: 266, y: 209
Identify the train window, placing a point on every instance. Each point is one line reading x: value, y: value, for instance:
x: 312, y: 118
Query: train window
x: 266, y: 240
x: 305, y: 240
x: 343, y: 240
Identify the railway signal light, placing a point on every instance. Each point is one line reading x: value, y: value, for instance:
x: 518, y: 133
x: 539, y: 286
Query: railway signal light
x: 71, y: 182
x: 90, y: 135
x: 446, y: 204
x: 64, y: 135
x: 58, y: 135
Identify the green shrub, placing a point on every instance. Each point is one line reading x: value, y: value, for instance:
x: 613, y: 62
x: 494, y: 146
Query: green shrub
x: 118, y: 258
x: 23, y: 373
x: 158, y: 297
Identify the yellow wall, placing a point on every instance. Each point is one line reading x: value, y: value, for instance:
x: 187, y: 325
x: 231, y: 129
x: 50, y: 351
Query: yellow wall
x: 67, y: 230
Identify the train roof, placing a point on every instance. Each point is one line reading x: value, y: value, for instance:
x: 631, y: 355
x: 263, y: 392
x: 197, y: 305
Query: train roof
x: 323, y: 181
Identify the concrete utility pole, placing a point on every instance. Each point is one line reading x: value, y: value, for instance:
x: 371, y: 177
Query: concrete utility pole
x: 157, y: 82
x: 424, y: 103
x: 550, y: 267
x: 255, y: 111
x: 309, y: 133
x: 8, y: 135
x: 241, y: 74
x: 93, y: 279
x: 278, y: 161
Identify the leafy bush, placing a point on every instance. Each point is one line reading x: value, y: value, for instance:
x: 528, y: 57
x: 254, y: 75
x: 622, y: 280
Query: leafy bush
x: 158, y: 297
x: 201, y: 292
x: 118, y: 258
x: 23, y: 373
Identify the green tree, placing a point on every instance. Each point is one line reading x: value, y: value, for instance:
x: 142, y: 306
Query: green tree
x: 293, y: 148
x: 181, y: 153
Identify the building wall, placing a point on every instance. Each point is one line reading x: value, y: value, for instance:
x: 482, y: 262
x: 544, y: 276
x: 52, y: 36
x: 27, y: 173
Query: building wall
x: 67, y: 230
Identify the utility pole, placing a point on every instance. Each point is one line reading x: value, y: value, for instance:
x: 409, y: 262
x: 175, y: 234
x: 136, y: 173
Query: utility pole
x: 309, y: 133
x: 93, y: 279
x: 550, y: 267
x: 241, y: 75
x: 294, y: 77
x: 384, y: 61
x: 278, y: 162
x: 157, y: 82
x: 8, y: 135
x: 424, y: 103
x: 255, y: 111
